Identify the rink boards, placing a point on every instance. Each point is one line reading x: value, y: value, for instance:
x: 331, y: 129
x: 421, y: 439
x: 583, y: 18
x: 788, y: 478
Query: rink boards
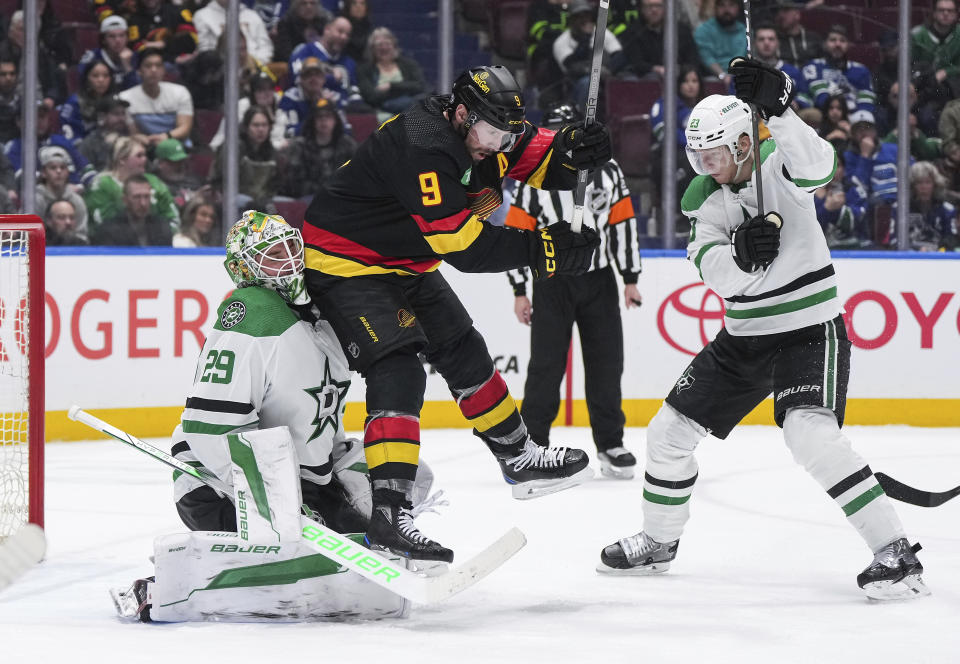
x: 124, y: 327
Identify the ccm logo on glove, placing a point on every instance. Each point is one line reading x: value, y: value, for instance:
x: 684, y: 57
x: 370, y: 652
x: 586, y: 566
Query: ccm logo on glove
x: 558, y: 250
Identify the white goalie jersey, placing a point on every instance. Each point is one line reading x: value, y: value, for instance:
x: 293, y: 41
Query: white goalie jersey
x: 262, y: 367
x: 799, y: 288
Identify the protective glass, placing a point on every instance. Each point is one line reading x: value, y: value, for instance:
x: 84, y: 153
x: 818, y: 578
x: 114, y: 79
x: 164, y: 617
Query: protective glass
x: 490, y: 138
x: 710, y: 161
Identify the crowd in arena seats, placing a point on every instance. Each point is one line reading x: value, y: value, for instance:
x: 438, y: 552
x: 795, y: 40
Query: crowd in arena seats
x: 131, y: 91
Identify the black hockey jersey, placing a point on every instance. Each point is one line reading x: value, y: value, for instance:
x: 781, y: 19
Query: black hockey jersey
x: 412, y: 196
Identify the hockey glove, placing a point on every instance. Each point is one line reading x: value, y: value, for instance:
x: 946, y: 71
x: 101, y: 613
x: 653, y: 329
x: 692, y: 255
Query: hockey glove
x: 756, y: 242
x: 757, y: 83
x: 558, y: 250
x: 588, y: 147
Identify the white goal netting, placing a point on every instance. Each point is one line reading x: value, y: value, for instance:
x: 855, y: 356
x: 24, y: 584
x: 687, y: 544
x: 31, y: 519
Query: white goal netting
x: 14, y: 380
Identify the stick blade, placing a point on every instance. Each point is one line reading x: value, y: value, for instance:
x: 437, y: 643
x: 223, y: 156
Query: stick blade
x: 20, y: 552
x: 907, y: 494
x: 456, y: 580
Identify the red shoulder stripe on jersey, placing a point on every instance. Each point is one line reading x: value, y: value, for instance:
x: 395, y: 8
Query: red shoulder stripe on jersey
x: 328, y: 242
x: 532, y: 155
x: 444, y: 225
x: 621, y: 211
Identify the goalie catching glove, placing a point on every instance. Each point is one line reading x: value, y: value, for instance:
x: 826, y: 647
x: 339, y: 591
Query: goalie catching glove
x: 756, y: 242
x: 757, y: 83
x: 584, y: 147
x: 556, y: 249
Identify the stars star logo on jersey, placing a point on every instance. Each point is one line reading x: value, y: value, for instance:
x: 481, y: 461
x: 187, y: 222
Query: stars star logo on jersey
x: 329, y: 395
x: 686, y: 380
x: 232, y: 315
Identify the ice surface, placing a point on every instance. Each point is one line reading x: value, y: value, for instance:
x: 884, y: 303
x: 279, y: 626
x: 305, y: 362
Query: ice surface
x: 765, y: 573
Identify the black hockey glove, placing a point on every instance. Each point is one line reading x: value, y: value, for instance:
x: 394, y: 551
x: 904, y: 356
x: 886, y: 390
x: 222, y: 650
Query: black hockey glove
x: 558, y: 250
x: 756, y: 242
x: 589, y: 147
x: 756, y: 83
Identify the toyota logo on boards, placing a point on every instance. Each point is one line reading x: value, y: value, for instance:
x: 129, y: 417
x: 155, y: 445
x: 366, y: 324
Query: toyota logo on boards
x: 690, y: 317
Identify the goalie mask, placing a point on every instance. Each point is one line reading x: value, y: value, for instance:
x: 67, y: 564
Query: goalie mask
x: 264, y: 250
x: 713, y: 133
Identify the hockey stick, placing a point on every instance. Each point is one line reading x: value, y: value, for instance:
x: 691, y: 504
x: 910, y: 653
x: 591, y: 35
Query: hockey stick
x: 20, y: 552
x: 342, y: 550
x: 754, y: 115
x: 907, y: 494
x: 599, y: 36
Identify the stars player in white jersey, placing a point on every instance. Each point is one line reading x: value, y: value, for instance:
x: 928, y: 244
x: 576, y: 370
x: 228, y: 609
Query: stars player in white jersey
x: 784, y: 332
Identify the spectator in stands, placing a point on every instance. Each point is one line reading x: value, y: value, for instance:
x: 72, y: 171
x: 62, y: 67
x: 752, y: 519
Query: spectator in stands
x: 841, y: 209
x: 97, y: 146
x: 257, y: 174
x: 53, y: 38
x: 766, y: 48
x: 165, y: 26
x: 689, y: 92
x: 10, y: 92
x: 60, y: 224
x: 209, y: 23
x: 546, y: 20
x: 9, y: 198
x: 81, y: 172
x: 624, y: 14
x: 78, y: 115
x: 721, y: 38
x: 871, y: 163
x: 115, y: 52
x: 921, y: 146
x: 261, y: 91
x: 798, y: 46
x: 933, y: 220
x: 54, y: 185
x: 205, y: 75
x: 835, y: 126
x: 170, y: 165
x: 888, y: 71
x: 105, y: 198
x: 388, y: 81
x: 198, y: 227
x: 935, y: 55
x: 358, y: 13
x: 949, y: 168
x: 573, y: 50
x: 833, y: 74
x: 135, y: 224
x: 303, y: 23
x: 321, y: 150
x: 297, y: 101
x: 53, y: 82
x: 342, y: 76
x: 643, y: 42
x: 160, y: 109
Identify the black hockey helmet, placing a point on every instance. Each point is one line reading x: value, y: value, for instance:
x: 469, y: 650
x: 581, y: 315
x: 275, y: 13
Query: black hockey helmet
x: 560, y: 115
x: 491, y: 94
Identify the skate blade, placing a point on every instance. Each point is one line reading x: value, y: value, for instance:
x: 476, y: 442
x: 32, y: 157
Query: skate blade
x: 643, y: 570
x: 537, y: 488
x: 616, y: 472
x: 910, y: 587
x: 125, y: 601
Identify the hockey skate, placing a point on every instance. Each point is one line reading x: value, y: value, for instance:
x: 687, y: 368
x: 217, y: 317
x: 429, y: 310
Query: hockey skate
x: 637, y: 555
x: 134, y: 602
x: 538, y: 471
x: 895, y: 573
x: 392, y: 529
x: 617, y: 463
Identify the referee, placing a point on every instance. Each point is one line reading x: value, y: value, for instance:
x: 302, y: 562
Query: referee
x: 589, y: 300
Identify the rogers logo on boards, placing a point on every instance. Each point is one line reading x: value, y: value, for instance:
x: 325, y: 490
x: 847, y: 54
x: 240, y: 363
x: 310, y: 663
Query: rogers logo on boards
x: 684, y: 317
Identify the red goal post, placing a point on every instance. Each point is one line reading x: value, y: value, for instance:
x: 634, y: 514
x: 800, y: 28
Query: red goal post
x: 22, y: 339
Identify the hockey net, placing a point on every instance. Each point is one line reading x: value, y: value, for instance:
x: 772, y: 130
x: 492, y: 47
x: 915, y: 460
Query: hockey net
x: 21, y: 372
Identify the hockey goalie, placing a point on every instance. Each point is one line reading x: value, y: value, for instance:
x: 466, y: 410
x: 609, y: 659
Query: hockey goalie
x: 264, y: 417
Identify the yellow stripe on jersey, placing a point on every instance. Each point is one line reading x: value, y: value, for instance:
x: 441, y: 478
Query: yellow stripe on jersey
x: 391, y: 452
x: 493, y: 417
x: 344, y: 267
x: 536, y: 178
x: 463, y: 237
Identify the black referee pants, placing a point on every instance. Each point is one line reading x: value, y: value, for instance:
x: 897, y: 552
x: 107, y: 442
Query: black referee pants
x: 592, y: 302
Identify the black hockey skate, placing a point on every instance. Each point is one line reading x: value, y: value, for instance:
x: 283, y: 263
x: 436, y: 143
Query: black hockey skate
x: 538, y: 471
x: 392, y: 529
x: 895, y: 573
x: 617, y: 462
x: 637, y: 555
x: 134, y: 602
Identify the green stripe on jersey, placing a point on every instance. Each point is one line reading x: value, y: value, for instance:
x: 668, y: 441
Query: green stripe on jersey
x: 784, y: 307
x: 256, y: 312
x: 195, y: 426
x: 700, y: 254
x: 809, y: 184
x: 860, y: 501
x: 665, y: 500
x: 698, y: 191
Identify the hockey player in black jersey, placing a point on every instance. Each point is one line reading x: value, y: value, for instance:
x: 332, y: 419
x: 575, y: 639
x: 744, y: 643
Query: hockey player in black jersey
x: 416, y: 193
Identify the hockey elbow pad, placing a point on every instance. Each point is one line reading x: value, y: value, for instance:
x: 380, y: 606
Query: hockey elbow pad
x: 756, y: 242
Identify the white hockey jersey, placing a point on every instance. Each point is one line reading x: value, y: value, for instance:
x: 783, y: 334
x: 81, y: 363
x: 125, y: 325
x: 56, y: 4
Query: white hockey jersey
x: 799, y: 288
x: 263, y: 367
